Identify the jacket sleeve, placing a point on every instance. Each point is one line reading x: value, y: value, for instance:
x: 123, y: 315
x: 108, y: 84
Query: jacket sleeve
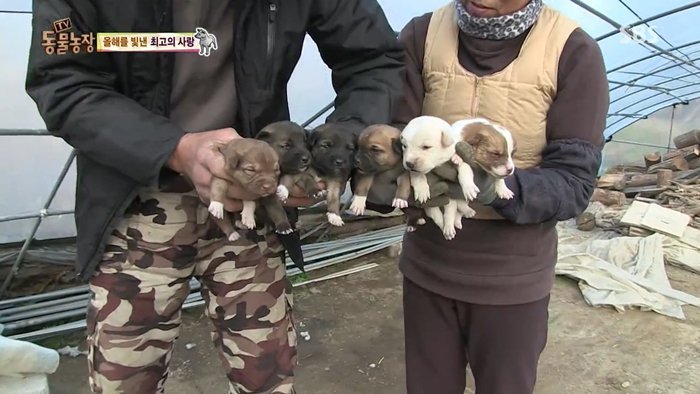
x: 357, y: 43
x: 560, y: 188
x: 78, y: 98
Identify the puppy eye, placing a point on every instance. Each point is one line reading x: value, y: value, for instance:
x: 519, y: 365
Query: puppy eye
x: 249, y: 170
x: 425, y: 147
x: 285, y: 146
x: 494, y: 153
x: 376, y: 150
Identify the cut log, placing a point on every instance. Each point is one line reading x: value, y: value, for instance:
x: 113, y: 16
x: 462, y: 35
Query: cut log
x: 612, y: 181
x: 652, y: 158
x: 687, y: 139
x: 641, y: 180
x: 609, y: 197
x: 687, y: 153
x: 664, y: 178
x: 694, y: 164
x: 675, y: 164
x: 586, y: 221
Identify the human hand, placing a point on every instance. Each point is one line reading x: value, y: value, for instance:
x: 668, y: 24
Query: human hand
x: 197, y: 157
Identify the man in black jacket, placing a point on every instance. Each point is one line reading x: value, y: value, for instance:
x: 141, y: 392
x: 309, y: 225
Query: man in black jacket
x: 144, y: 125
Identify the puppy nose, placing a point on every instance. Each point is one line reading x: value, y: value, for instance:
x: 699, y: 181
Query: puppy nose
x: 339, y: 162
x: 357, y: 161
x: 304, y: 159
x: 410, y: 164
x: 268, y: 187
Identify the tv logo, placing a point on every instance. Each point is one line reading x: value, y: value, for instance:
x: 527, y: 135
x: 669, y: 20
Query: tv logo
x: 62, y: 25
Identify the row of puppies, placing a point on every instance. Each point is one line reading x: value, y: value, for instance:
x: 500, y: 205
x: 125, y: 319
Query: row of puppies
x: 427, y: 155
x: 280, y: 157
x: 421, y: 159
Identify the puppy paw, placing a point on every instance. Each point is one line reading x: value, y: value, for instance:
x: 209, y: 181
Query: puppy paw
x: 502, y: 191
x: 410, y: 229
x: 421, y: 194
x: 248, y: 220
x: 449, y: 231
x: 239, y: 224
x: 284, y: 230
x: 468, y: 213
x: 282, y: 193
x: 420, y: 221
x: 458, y: 222
x: 320, y: 194
x: 456, y: 160
x: 470, y: 191
x: 334, y: 219
x: 234, y: 236
x: 358, y: 205
x: 399, y: 203
x: 216, y: 209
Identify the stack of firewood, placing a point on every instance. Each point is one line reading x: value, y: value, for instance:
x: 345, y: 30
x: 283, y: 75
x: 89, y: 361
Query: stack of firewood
x: 671, y: 180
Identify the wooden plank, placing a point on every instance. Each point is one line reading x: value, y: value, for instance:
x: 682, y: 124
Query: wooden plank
x: 665, y: 220
x: 645, y: 190
x: 664, y: 178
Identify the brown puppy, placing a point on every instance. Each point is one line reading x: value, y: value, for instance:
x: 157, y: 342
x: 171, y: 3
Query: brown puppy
x: 289, y: 140
x: 332, y: 150
x: 379, y: 162
x: 253, y: 166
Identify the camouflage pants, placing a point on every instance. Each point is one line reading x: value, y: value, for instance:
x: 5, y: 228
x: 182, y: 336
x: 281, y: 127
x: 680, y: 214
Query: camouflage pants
x: 140, y: 287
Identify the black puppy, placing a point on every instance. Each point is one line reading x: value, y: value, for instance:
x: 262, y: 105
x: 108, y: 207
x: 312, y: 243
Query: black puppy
x: 333, y: 147
x: 289, y: 140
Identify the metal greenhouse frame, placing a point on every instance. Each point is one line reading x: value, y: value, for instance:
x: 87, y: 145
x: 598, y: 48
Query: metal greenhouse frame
x: 634, y: 95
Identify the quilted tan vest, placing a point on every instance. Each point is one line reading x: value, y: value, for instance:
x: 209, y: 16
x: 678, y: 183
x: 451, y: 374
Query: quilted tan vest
x: 518, y: 97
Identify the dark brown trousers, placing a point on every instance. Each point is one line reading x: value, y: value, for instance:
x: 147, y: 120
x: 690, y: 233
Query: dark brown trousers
x: 501, y: 344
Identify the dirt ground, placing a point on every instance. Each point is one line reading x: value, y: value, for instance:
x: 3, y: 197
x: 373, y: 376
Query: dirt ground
x: 356, y: 321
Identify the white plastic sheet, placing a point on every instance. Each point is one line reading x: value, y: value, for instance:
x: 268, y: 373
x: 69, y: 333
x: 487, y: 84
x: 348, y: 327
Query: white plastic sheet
x: 624, y: 272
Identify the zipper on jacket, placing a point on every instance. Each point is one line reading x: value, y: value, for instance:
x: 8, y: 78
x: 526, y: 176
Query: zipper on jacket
x: 475, y: 100
x: 271, y: 20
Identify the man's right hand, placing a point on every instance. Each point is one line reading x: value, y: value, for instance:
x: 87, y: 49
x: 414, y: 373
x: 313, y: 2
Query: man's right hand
x: 197, y: 157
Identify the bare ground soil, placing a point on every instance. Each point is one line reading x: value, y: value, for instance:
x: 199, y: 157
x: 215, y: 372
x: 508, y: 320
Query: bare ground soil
x: 356, y: 321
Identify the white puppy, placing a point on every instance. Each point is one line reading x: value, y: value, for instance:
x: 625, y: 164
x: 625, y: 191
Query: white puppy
x: 428, y: 142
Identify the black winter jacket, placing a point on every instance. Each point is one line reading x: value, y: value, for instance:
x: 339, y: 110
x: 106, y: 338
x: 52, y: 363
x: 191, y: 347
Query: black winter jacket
x: 113, y: 107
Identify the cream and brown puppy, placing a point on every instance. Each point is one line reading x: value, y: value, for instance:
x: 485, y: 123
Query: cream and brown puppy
x: 253, y: 166
x: 492, y: 147
x: 379, y: 162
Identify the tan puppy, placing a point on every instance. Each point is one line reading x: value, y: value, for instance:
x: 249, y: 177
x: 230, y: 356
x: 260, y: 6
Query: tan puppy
x: 378, y: 162
x: 253, y: 166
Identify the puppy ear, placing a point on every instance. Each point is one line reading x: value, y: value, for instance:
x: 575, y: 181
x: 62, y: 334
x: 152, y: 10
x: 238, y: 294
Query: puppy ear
x: 263, y: 135
x: 473, y: 133
x: 311, y: 140
x: 396, y: 146
x: 447, y: 139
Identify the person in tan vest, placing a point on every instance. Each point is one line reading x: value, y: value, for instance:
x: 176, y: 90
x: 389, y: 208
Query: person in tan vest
x: 481, y: 300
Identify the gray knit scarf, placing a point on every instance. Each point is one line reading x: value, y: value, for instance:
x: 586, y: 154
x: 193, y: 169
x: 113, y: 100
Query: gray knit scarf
x: 499, y: 27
